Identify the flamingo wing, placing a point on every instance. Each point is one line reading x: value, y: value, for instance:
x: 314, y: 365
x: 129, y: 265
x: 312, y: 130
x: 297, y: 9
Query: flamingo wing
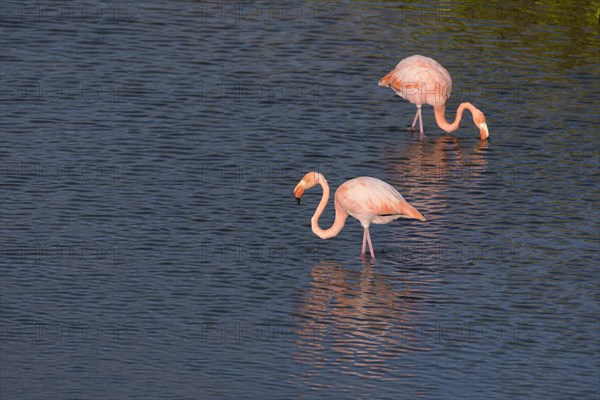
x: 393, y: 80
x: 372, y: 200
x: 419, y: 80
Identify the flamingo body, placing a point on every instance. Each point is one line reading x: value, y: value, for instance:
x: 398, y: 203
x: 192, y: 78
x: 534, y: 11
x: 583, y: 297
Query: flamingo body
x: 369, y: 200
x: 373, y: 201
x: 422, y: 80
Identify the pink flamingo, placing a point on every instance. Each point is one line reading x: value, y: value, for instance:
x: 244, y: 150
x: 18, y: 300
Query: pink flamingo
x: 367, y: 199
x: 422, y: 80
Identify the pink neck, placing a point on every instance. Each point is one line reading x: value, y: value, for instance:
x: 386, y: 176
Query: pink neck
x: 440, y: 117
x: 340, y: 215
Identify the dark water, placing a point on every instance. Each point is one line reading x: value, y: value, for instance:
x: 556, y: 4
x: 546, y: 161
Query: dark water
x: 152, y: 247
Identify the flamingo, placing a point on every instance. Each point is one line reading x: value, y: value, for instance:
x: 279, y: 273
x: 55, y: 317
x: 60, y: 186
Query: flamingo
x: 367, y: 199
x: 422, y: 80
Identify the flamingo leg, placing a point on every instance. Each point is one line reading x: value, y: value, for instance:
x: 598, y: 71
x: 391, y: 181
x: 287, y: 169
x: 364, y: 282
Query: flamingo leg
x: 370, y: 243
x: 364, y: 245
x: 414, y: 123
x: 420, y: 120
x: 418, y: 117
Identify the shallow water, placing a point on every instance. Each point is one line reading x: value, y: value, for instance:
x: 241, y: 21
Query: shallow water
x: 152, y: 247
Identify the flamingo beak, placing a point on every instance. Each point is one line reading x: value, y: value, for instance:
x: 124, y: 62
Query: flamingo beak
x: 483, y: 131
x: 299, y: 191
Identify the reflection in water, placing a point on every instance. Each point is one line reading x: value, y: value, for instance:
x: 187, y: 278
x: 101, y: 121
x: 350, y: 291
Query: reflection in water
x: 357, y: 321
x: 425, y: 169
x: 435, y: 175
x: 440, y: 159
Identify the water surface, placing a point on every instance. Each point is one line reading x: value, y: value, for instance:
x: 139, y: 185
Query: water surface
x: 152, y: 247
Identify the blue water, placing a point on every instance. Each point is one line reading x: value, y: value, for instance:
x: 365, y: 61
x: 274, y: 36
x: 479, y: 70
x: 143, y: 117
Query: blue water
x: 151, y: 246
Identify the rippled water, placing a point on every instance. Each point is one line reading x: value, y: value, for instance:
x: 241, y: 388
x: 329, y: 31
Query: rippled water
x: 152, y: 247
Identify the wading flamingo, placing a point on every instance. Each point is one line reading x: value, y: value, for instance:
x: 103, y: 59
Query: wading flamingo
x: 422, y: 80
x: 367, y: 199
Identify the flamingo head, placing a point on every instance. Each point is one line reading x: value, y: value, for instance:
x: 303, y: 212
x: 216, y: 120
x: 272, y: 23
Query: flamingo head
x: 310, y: 179
x: 479, y: 120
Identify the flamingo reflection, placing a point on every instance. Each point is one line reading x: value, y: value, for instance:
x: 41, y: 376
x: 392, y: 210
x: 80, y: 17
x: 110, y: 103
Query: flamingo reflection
x: 438, y: 172
x: 425, y: 169
x: 358, y: 321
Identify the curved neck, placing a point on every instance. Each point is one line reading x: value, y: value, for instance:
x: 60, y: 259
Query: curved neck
x: 440, y: 116
x: 340, y: 215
